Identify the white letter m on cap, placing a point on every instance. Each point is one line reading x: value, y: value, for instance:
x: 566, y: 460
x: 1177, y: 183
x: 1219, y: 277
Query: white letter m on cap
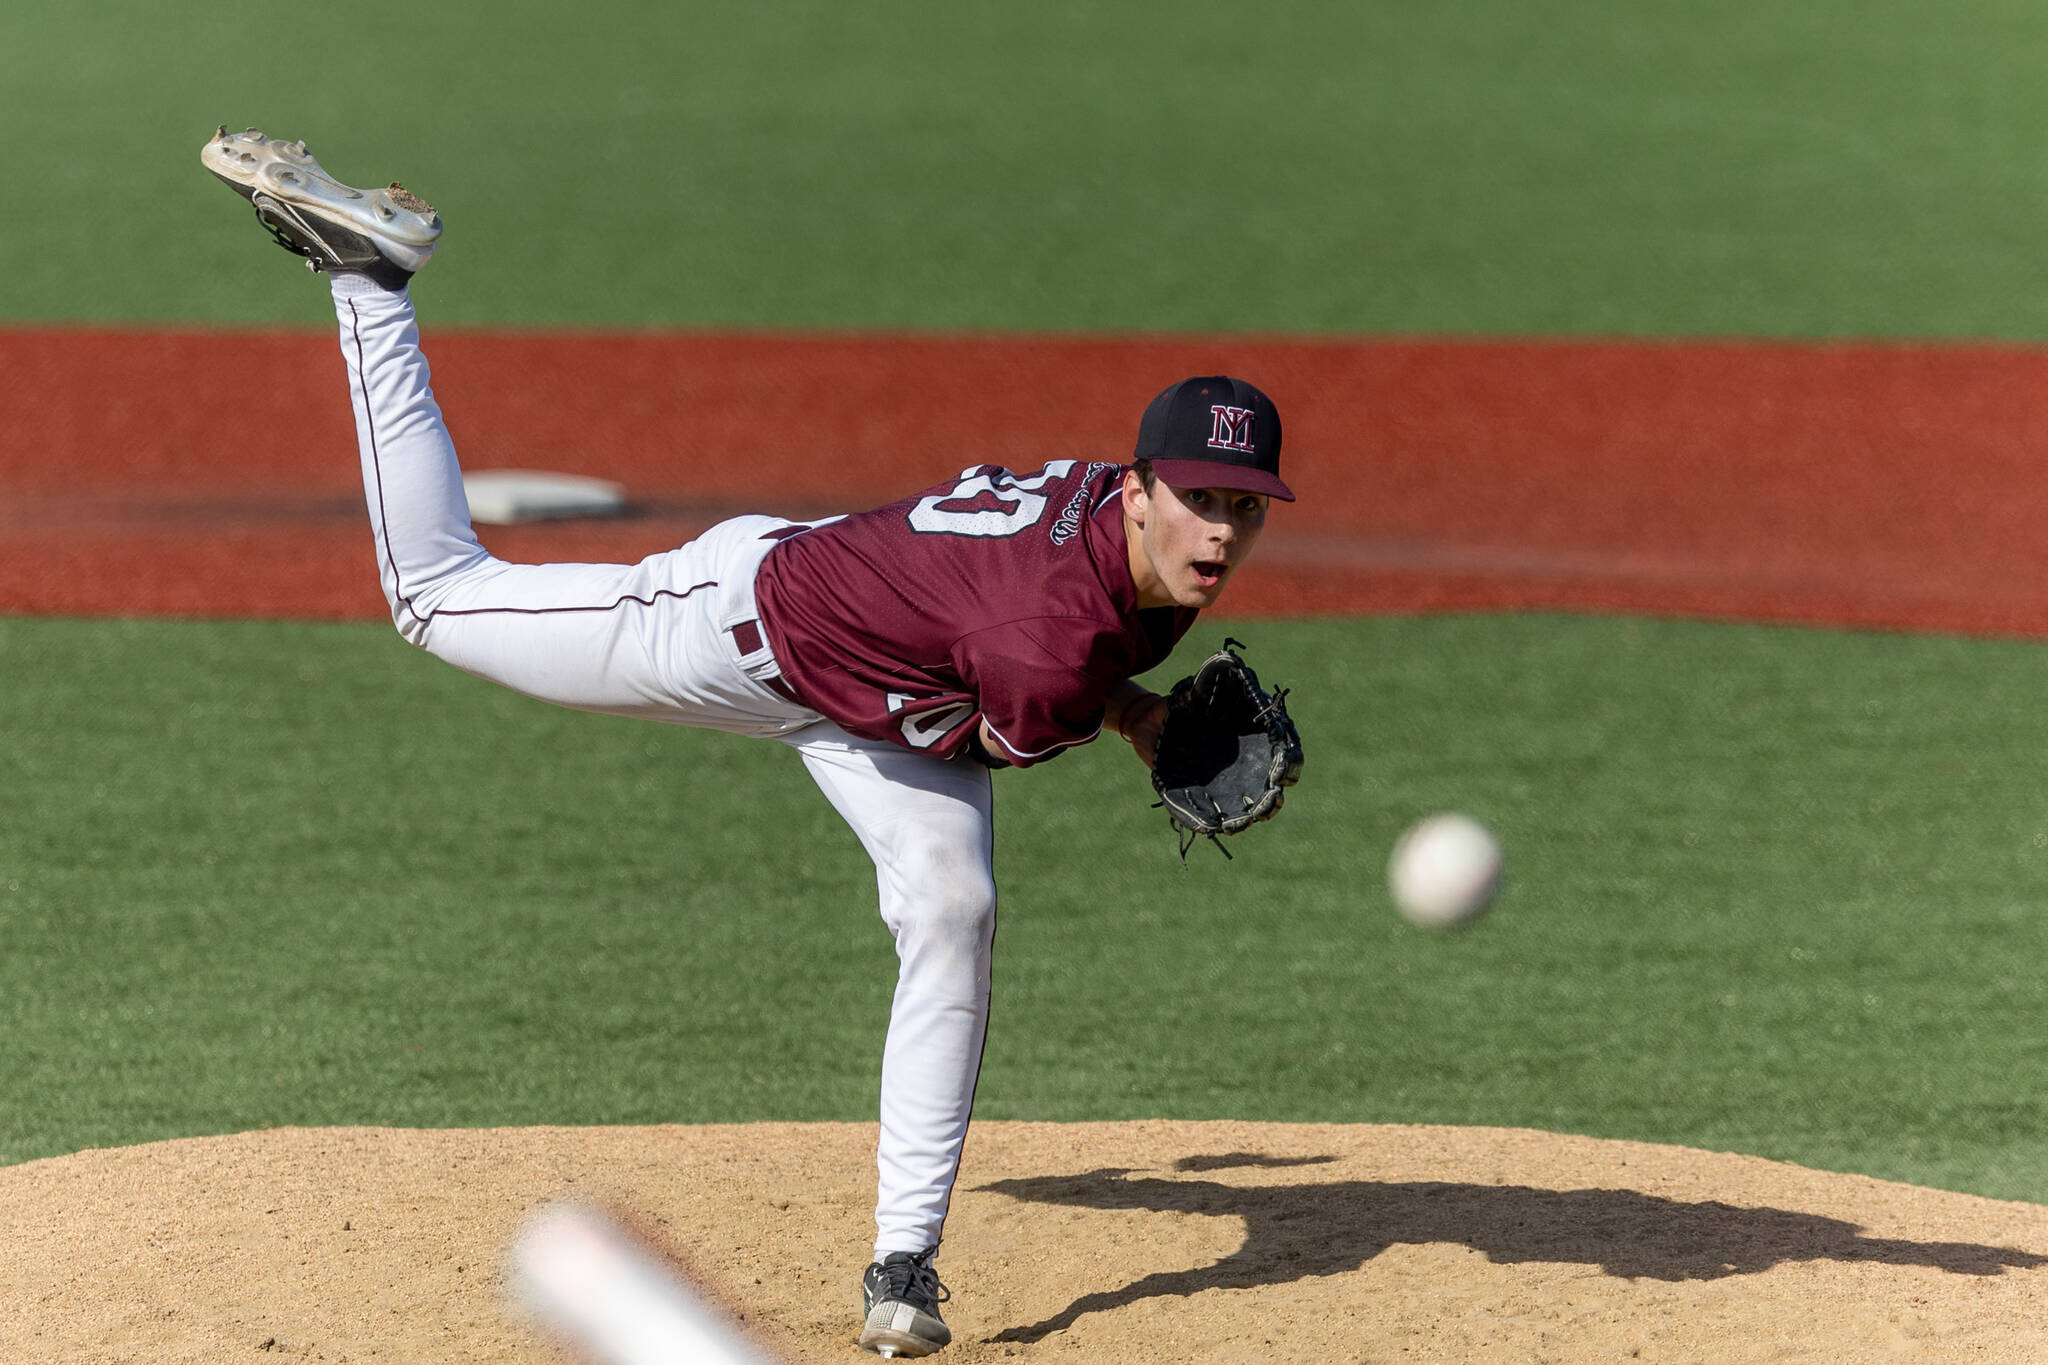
x: 1232, y: 429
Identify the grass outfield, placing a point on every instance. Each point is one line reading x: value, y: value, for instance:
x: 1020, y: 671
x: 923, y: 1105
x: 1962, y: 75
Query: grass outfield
x: 1743, y: 167
x: 1774, y: 891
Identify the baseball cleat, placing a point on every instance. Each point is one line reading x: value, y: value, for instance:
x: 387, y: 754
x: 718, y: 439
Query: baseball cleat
x: 901, y: 1295
x: 386, y: 234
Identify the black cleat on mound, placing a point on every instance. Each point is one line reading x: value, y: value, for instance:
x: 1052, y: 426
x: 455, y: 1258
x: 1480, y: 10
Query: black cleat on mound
x: 901, y: 1295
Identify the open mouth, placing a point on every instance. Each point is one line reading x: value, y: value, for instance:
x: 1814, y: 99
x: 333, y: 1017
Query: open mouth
x: 1209, y: 572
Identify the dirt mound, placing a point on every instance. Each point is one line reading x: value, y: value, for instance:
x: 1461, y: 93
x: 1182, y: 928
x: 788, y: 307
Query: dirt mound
x: 1156, y: 1241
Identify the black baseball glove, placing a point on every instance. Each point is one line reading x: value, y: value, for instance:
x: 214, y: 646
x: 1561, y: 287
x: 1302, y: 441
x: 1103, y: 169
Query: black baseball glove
x: 1227, y: 751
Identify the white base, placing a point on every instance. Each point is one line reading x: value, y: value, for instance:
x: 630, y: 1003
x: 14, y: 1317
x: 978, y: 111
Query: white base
x: 502, y: 497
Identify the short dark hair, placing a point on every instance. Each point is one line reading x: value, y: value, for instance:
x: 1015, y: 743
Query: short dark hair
x: 1143, y: 469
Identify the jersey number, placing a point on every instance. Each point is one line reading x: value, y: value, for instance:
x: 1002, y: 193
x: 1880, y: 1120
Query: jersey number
x: 922, y: 729
x: 1003, y: 503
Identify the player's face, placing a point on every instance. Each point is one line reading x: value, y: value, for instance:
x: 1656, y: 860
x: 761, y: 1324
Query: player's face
x: 1190, y: 540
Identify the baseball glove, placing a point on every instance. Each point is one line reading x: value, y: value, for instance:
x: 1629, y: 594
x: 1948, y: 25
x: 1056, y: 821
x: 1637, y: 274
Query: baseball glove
x: 1227, y: 751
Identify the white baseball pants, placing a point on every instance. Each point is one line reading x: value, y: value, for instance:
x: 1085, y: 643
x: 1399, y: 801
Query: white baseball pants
x: 658, y: 640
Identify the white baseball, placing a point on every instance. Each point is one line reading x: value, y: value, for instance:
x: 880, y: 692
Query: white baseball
x: 1445, y: 871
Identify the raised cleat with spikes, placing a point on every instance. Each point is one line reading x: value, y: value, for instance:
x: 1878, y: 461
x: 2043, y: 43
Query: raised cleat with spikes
x: 386, y: 234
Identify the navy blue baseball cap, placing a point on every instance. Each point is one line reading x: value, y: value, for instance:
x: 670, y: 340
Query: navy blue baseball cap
x: 1214, y: 432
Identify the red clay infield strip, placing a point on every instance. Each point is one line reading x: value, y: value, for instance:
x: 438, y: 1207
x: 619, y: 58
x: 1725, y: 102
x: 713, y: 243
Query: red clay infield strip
x: 1886, y: 485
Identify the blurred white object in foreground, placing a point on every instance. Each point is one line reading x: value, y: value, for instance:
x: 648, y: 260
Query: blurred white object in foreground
x: 606, y: 1294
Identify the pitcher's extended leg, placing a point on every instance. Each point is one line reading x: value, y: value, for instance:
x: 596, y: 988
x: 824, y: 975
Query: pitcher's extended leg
x: 622, y: 638
x: 928, y: 827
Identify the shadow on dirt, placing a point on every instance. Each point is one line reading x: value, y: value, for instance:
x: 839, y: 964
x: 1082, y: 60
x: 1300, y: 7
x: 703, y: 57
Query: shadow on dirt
x: 1293, y: 1232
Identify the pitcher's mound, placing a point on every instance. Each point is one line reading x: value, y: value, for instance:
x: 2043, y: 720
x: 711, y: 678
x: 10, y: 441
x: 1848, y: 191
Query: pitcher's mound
x: 1138, y: 1242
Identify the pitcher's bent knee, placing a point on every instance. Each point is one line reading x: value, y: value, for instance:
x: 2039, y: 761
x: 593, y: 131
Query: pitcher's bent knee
x: 943, y: 901
x: 415, y: 604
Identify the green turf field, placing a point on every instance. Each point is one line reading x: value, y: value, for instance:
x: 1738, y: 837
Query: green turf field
x: 1744, y: 167
x: 1774, y: 891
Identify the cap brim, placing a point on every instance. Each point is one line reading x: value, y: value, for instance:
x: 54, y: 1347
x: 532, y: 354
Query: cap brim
x: 1217, y: 474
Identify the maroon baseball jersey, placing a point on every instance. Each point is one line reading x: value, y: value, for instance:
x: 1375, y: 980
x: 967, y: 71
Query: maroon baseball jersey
x: 994, y: 596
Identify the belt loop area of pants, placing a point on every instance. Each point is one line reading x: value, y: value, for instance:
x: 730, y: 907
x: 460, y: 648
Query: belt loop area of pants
x: 749, y: 638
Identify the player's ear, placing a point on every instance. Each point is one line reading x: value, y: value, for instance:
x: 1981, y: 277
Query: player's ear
x: 1135, y: 501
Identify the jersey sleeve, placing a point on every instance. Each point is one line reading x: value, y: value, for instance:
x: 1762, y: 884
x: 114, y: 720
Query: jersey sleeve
x: 1037, y: 703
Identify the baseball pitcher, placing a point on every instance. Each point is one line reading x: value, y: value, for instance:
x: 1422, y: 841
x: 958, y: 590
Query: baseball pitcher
x: 995, y: 619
